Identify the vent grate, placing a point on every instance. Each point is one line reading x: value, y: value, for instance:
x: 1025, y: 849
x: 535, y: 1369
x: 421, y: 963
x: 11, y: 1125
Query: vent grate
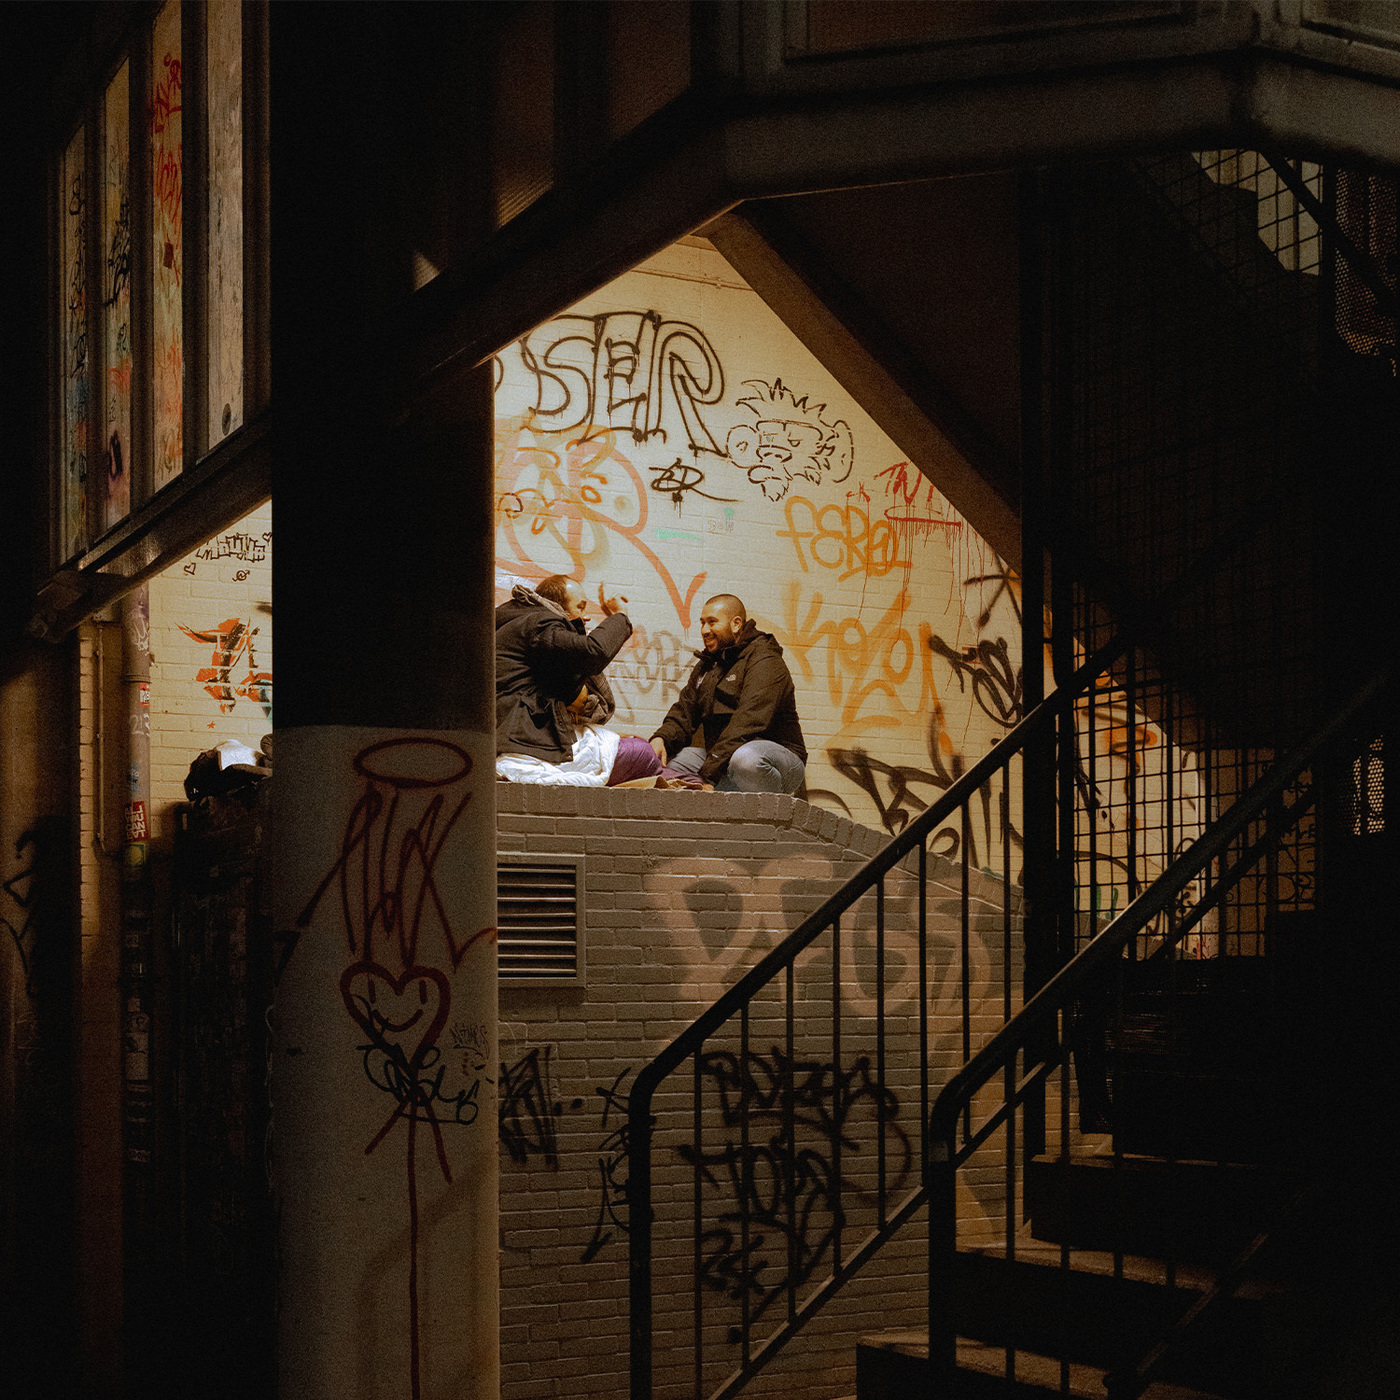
x: 539, y: 919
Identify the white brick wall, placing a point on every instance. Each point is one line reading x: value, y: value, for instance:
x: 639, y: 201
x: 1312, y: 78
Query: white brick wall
x: 684, y: 892
x: 228, y: 578
x: 639, y: 476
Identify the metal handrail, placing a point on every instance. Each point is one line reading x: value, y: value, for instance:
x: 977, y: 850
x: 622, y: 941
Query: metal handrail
x: 782, y: 957
x: 879, y: 864
x: 1065, y: 986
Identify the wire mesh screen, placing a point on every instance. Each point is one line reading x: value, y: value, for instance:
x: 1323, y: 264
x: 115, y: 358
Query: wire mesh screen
x: 1365, y: 210
x: 1366, y: 791
x: 1187, y: 350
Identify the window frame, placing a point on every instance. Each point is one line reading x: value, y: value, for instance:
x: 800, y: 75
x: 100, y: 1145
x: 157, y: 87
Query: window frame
x: 218, y: 482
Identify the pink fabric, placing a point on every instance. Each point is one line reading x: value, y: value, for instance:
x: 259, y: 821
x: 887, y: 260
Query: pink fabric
x: 635, y: 759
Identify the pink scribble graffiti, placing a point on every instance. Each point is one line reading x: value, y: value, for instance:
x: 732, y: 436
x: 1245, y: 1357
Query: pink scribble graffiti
x: 402, y: 943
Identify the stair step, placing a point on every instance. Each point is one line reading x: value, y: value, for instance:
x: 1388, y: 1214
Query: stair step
x: 1083, y: 1313
x: 892, y: 1365
x: 1151, y: 1207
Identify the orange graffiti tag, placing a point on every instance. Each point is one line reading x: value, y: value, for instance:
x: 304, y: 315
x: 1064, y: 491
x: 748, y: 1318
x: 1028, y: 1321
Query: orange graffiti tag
x: 866, y: 669
x: 564, y: 500
x: 843, y: 536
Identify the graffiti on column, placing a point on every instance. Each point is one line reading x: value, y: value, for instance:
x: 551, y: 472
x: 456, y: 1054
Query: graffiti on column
x: 19, y: 906
x: 402, y: 948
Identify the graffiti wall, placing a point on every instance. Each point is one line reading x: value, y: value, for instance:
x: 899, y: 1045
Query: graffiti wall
x: 669, y: 439
x: 683, y: 893
x: 211, y: 652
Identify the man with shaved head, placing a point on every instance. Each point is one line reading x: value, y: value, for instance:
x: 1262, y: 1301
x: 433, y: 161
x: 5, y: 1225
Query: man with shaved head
x: 735, y: 724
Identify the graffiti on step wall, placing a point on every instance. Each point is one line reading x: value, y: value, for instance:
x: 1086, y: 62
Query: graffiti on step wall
x: 835, y: 1117
x: 530, y: 1108
x: 611, y: 1220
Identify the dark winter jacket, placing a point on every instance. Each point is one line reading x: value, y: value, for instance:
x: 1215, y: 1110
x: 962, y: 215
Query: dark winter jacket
x: 542, y: 659
x: 743, y: 692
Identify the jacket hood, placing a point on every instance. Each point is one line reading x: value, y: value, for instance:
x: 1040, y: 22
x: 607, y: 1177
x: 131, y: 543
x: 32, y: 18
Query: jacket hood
x: 523, y: 594
x: 523, y: 598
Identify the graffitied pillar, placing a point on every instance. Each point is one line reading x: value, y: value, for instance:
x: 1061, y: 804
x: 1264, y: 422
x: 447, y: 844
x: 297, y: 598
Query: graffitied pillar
x: 140, y: 1224
x: 383, y: 1043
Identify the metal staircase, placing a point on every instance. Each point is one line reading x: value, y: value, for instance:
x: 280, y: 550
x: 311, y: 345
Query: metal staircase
x: 1065, y: 1135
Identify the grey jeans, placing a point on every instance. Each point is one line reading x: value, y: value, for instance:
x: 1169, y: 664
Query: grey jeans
x: 758, y: 766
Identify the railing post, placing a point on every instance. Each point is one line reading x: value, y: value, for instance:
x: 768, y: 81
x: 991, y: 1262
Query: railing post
x: 639, y: 1218
x: 940, y: 1179
x: 1038, y: 763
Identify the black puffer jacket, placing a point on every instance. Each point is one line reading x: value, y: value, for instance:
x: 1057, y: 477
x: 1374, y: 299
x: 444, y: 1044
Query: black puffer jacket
x: 743, y: 692
x: 541, y: 661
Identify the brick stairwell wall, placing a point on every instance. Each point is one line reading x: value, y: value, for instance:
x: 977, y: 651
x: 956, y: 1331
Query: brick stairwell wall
x: 683, y: 893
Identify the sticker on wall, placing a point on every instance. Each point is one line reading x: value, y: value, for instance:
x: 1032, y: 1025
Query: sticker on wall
x: 135, y: 821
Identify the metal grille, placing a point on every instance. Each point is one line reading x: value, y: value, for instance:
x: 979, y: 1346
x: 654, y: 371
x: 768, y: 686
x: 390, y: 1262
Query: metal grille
x: 1367, y: 794
x: 1186, y: 331
x: 1185, y: 354
x: 1366, y: 214
x: 539, y: 919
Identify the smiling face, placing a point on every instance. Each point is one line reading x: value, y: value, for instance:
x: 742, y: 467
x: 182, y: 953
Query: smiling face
x: 721, y: 621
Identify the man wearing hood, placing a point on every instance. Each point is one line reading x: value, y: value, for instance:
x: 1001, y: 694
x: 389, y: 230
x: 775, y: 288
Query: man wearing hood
x: 545, y: 658
x: 735, y: 724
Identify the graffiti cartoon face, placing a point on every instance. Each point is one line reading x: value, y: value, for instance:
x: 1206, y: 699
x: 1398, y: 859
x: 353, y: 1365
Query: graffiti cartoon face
x: 799, y: 446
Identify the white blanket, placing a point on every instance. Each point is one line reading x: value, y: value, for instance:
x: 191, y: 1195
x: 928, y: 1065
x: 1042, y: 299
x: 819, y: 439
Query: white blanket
x: 595, y: 752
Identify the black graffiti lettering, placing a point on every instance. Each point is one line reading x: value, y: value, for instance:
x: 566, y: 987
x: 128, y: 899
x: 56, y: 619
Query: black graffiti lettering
x: 529, y: 1110
x: 119, y: 250
x: 681, y: 479
x: 629, y: 371
x: 899, y: 802
x: 77, y: 284
x: 246, y: 548
x: 790, y: 1194
x: 996, y: 683
x: 21, y: 890
x: 788, y: 441
x: 612, y: 1172
x: 1003, y: 578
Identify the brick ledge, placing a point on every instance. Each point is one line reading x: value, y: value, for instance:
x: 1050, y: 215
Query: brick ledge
x: 769, y: 808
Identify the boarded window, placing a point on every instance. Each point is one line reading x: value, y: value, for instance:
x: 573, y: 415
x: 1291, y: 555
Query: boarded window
x: 73, y: 503
x: 167, y: 232
x: 116, y: 301
x: 224, y: 68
